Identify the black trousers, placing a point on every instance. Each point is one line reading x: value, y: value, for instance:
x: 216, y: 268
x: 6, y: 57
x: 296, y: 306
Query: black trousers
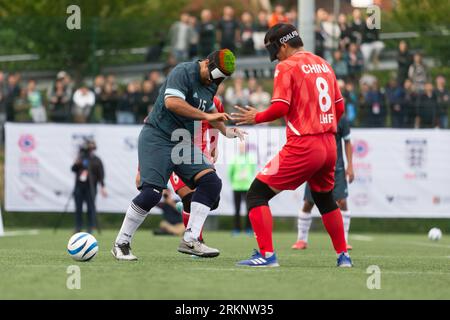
x: 83, y: 194
x: 240, y: 196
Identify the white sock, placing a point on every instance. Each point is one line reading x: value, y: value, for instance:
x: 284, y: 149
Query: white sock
x: 133, y: 219
x: 197, y: 218
x: 304, y: 223
x: 346, y: 221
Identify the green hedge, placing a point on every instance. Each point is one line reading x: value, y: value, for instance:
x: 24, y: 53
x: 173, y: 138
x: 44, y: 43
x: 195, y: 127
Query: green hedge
x: 113, y: 221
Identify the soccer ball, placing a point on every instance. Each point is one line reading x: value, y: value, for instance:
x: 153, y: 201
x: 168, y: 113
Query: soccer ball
x: 435, y: 234
x: 82, y: 246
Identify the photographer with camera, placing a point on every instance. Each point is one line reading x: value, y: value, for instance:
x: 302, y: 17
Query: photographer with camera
x: 89, y: 172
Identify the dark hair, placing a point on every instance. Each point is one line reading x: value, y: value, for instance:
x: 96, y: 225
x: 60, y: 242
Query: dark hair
x: 280, y: 30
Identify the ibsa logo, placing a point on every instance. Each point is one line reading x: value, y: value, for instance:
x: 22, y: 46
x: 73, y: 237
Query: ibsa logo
x: 27, y: 143
x: 360, y: 148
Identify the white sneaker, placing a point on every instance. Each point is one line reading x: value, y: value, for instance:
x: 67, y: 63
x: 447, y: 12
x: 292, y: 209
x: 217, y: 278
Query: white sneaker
x: 197, y: 248
x: 123, y: 252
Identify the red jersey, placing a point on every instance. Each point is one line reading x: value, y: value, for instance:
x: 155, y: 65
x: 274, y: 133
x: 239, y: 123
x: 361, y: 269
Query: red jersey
x: 209, y: 137
x: 307, y: 83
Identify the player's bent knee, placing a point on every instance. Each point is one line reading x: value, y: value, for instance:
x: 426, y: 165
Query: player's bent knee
x: 324, y: 201
x: 148, y: 197
x: 216, y: 204
x: 259, y: 194
x: 187, y: 199
x: 208, y: 189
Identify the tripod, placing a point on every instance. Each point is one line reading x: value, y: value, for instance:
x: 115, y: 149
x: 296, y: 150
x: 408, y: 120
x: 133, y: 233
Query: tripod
x: 92, y: 198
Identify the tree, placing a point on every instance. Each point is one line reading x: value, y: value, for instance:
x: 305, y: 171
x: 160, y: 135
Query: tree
x: 41, y: 27
x: 431, y: 19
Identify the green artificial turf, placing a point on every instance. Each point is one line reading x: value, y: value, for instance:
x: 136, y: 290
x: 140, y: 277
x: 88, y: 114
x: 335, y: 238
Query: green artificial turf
x: 412, y: 267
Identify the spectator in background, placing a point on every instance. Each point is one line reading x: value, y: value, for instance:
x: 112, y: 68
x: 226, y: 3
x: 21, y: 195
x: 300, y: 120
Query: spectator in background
x: 241, y: 170
x: 319, y: 34
x: 371, y: 46
x: 12, y: 92
x: 351, y: 102
x: 277, y: 16
x: 111, y: 79
x: 427, y: 108
x: 408, y: 103
x: 83, y: 101
x: 346, y: 36
x: 59, y: 102
x: 97, y: 89
x: 37, y: 109
x: 355, y: 61
x: 180, y: 34
x: 193, y: 37
x: 109, y: 100
x: 394, y: 96
x: 99, y: 83
x: 207, y: 34
x: 443, y: 98
x: 357, y: 27
x: 404, y: 61
x: 331, y: 34
x: 128, y: 105
x: 148, y: 99
x: 237, y: 94
x: 292, y: 17
x: 247, y: 47
x: 260, y: 99
x: 252, y: 84
x: 67, y: 81
x: 260, y: 29
x: 157, y: 79
x: 339, y: 66
x: 418, y: 73
x: 228, y: 30
x: 21, y: 107
x: 375, y: 107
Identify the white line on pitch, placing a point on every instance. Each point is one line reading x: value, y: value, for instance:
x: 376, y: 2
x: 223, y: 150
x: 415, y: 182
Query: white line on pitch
x: 433, y: 245
x: 359, y: 237
x: 32, y: 232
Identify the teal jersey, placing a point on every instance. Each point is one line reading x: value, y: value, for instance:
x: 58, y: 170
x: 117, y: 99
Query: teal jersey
x: 182, y: 82
x: 343, y: 133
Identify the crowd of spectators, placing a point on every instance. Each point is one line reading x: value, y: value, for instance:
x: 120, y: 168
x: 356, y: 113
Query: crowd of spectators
x: 411, y: 99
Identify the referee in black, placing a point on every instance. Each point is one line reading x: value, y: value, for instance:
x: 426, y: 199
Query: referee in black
x: 89, y: 172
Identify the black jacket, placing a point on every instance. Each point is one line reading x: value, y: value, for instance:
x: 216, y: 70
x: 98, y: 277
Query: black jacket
x: 94, y: 167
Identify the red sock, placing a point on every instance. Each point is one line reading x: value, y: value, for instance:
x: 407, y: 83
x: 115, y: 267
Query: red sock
x: 185, y: 222
x: 335, y: 227
x: 261, y: 219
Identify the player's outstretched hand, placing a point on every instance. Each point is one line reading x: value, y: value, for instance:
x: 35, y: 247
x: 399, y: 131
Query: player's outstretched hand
x: 211, y: 117
x: 236, y: 133
x: 245, y: 115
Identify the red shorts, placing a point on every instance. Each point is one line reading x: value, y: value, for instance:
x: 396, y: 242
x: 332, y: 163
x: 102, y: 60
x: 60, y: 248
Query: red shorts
x: 309, y: 159
x: 176, y: 182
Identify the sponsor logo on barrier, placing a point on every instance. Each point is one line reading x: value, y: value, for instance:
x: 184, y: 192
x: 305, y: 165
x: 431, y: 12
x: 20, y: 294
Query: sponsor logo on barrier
x: 416, y: 156
x: 361, y: 199
x: 29, y: 193
x: 439, y: 200
x: 29, y: 167
x: 27, y: 143
x: 130, y: 143
x: 401, y: 199
x: 360, y: 148
x: 363, y: 172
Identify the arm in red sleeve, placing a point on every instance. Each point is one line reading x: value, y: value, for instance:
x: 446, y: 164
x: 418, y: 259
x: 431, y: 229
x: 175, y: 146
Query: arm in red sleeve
x: 340, y: 108
x: 276, y: 110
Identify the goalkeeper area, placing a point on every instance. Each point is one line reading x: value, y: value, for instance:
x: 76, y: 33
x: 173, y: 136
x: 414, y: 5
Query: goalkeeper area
x: 387, y: 266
